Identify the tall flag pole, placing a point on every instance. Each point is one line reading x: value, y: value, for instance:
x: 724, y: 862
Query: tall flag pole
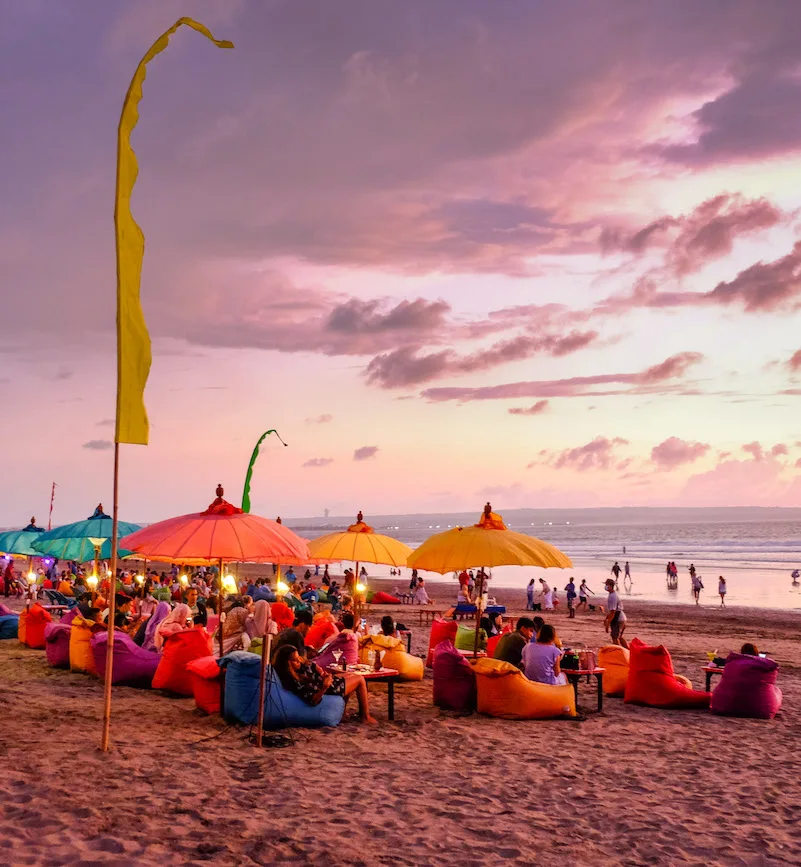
x: 133, y: 339
x: 246, y: 491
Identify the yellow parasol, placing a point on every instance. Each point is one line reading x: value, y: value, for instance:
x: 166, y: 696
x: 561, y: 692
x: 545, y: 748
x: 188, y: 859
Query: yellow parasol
x: 487, y: 543
x: 360, y: 544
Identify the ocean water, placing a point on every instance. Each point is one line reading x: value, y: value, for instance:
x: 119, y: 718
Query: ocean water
x: 755, y: 549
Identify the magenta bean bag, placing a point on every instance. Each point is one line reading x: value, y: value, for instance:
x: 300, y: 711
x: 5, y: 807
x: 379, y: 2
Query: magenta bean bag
x: 57, y: 640
x: 748, y: 688
x: 5, y: 611
x: 454, y: 679
x: 347, y: 642
x: 131, y: 665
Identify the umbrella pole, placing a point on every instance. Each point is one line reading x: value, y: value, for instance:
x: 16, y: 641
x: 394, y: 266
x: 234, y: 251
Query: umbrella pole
x: 478, y: 610
x: 111, y: 604
x: 266, y: 645
x: 220, y: 607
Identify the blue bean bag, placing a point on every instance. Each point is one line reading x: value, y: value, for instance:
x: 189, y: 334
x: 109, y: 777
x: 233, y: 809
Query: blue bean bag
x: 8, y: 626
x: 281, y: 708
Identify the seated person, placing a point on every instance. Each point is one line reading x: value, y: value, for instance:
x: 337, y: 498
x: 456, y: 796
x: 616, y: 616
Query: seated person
x: 541, y: 658
x: 510, y: 647
x: 177, y: 620
x: 64, y: 586
x: 310, y: 594
x: 749, y: 649
x: 493, y: 625
x: 421, y: 597
x: 234, y: 633
x: 295, y: 635
x: 197, y: 608
x: 310, y: 683
x: 389, y: 627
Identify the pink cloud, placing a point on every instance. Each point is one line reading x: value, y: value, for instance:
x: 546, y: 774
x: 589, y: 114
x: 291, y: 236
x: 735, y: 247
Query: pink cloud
x: 320, y: 419
x: 535, y: 409
x: 794, y: 363
x: 755, y: 450
x: 317, y: 462
x: 599, y: 454
x: 778, y: 449
x: 365, y: 453
x: 673, y: 452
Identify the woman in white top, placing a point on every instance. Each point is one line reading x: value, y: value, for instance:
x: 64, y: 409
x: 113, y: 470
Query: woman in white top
x: 615, y: 621
x: 722, y: 591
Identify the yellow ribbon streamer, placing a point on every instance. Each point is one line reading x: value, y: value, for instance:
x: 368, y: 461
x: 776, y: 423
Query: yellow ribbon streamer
x: 133, y: 340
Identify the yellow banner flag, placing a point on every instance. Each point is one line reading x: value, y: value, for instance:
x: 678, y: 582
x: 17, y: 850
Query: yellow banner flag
x: 133, y: 340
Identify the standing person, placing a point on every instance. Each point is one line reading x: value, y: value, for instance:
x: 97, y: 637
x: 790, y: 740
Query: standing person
x: 698, y: 586
x: 722, y: 590
x: 413, y: 582
x: 616, y: 572
x: 547, y: 595
x: 530, y: 591
x: 691, y: 570
x: 8, y: 577
x: 570, y: 589
x: 583, y: 592
x: 471, y: 582
x: 615, y: 620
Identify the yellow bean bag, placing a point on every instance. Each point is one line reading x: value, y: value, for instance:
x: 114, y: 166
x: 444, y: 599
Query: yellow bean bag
x: 410, y: 667
x: 505, y: 692
x: 615, y: 660
x: 81, y: 656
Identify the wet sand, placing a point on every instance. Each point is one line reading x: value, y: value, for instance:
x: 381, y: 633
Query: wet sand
x: 628, y: 786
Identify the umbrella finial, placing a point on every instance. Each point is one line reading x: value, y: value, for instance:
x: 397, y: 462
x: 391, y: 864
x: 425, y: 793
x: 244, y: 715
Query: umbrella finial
x: 278, y: 520
x: 219, y: 491
x: 359, y: 517
x: 487, y: 509
x: 33, y: 519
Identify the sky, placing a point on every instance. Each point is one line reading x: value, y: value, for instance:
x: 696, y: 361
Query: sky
x: 546, y: 254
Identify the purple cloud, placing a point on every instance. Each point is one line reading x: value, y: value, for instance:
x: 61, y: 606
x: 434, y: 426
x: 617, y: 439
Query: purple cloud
x: 98, y: 445
x: 599, y: 454
x: 320, y: 419
x: 365, y: 453
x: 535, y: 409
x: 317, y: 462
x: 673, y: 452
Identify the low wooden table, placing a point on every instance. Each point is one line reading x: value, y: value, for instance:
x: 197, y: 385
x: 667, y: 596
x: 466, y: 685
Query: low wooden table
x: 709, y: 671
x: 574, y: 676
x: 481, y: 654
x: 428, y: 615
x: 390, y: 676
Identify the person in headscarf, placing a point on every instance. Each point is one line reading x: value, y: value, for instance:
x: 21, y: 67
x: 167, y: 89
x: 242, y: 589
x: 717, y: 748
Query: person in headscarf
x: 176, y: 621
x: 146, y: 636
x: 261, y: 623
x: 234, y: 636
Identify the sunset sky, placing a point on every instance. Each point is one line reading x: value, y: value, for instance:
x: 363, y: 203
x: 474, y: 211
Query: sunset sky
x: 543, y: 253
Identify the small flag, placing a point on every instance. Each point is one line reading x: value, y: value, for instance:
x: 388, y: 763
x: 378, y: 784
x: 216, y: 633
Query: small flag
x: 133, y: 340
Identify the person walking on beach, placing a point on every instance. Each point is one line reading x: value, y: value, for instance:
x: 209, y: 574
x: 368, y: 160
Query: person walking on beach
x: 530, y: 591
x: 583, y: 592
x: 722, y: 591
x: 691, y: 570
x: 616, y: 572
x: 570, y: 589
x: 615, y: 620
x: 698, y: 586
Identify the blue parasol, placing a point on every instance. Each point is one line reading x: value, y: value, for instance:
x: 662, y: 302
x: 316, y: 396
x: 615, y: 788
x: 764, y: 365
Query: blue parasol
x: 83, y: 540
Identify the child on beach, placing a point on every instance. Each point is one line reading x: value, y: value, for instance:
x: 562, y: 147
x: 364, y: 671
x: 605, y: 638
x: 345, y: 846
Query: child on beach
x: 722, y: 591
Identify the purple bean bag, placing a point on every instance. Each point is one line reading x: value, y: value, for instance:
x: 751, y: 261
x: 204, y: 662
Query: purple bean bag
x: 57, y: 640
x: 748, y: 688
x: 131, y: 665
x: 454, y: 679
x: 347, y: 642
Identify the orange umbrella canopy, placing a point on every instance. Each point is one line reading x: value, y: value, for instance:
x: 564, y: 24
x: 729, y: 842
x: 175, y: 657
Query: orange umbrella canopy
x: 222, y: 532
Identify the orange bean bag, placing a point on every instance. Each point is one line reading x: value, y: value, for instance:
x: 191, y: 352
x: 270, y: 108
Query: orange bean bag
x: 409, y: 667
x: 204, y: 675
x: 504, y: 691
x: 319, y: 632
x: 441, y: 630
x: 282, y: 614
x: 81, y: 656
x: 32, y: 624
x: 615, y: 660
x: 180, y: 649
x: 652, y: 682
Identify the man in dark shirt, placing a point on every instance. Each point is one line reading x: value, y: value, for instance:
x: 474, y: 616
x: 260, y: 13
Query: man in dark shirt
x: 295, y: 635
x: 510, y: 647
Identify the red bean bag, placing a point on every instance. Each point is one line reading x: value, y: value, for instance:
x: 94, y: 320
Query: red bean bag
x: 382, y: 598
x: 204, y: 674
x: 454, y: 679
x: 492, y: 643
x: 319, y: 632
x: 35, y: 619
x: 181, y: 648
x: 441, y: 630
x: 748, y: 688
x: 282, y: 614
x: 651, y: 680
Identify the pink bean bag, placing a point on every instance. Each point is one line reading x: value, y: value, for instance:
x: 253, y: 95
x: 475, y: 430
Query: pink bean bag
x: 204, y: 674
x: 347, y: 642
x: 5, y: 611
x: 382, y: 598
x: 179, y: 650
x: 748, y: 688
x: 131, y: 665
x: 441, y: 630
x: 57, y: 640
x: 652, y: 682
x: 454, y: 680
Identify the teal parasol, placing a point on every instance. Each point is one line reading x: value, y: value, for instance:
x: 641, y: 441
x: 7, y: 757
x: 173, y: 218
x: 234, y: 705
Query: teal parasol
x: 83, y: 540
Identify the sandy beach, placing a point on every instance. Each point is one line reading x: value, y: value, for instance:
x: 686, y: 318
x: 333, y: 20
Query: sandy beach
x: 630, y: 785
